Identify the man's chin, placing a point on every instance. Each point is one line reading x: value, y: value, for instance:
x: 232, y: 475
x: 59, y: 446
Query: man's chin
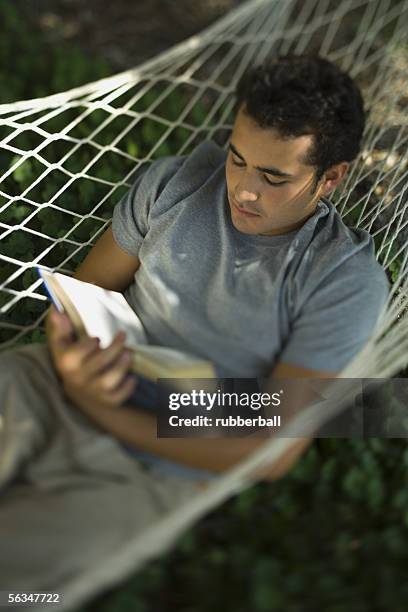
x: 243, y: 228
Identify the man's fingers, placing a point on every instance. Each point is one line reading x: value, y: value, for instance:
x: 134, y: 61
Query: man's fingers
x: 109, y: 380
x: 124, y: 391
x: 105, y: 358
x: 73, y: 359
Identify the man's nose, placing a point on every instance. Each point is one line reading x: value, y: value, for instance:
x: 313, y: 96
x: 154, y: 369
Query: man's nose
x: 247, y: 189
x: 247, y: 196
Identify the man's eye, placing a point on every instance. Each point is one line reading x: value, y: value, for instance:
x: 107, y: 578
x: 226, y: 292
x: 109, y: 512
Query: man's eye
x: 241, y: 164
x: 274, y: 184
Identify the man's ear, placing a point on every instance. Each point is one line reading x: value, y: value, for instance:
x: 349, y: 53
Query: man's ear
x: 333, y: 177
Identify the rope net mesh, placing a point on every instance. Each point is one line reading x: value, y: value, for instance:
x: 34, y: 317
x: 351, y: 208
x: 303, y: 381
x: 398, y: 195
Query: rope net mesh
x: 68, y: 158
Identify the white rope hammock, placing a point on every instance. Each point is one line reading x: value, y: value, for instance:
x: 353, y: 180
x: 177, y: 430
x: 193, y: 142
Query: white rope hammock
x: 69, y: 157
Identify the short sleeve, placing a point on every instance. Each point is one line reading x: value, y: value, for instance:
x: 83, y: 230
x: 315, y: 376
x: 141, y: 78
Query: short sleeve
x: 337, y: 320
x: 130, y: 220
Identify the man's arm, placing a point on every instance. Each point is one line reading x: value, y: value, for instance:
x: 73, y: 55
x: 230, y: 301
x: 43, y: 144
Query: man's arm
x: 138, y: 428
x: 107, y: 265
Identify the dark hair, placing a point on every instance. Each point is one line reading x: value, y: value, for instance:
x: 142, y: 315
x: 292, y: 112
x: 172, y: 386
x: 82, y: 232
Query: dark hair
x: 306, y: 94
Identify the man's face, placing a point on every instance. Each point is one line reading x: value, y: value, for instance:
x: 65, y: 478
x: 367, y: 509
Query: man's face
x: 266, y: 178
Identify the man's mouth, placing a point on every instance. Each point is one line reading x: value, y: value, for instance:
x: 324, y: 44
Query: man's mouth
x: 241, y: 211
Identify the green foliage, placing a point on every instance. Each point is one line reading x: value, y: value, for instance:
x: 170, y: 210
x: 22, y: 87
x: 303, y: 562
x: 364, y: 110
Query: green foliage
x: 31, y: 67
x: 395, y: 267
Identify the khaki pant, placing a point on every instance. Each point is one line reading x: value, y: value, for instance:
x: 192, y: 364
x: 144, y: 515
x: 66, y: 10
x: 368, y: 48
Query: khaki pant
x: 70, y: 496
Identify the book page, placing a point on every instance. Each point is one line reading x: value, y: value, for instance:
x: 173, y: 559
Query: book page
x: 161, y: 362
x: 169, y: 355
x: 104, y: 313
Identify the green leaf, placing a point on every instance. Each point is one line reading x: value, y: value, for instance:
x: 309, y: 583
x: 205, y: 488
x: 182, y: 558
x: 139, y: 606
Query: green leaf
x: 132, y: 148
x: 24, y: 171
x: 187, y: 543
x: 353, y: 483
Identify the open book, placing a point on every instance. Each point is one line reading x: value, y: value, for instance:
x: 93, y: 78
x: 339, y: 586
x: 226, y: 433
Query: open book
x: 101, y: 313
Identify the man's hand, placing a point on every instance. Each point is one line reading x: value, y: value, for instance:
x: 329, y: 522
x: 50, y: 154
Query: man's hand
x: 92, y: 378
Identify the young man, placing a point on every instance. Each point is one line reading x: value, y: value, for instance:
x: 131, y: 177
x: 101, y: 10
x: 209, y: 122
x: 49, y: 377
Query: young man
x: 237, y: 257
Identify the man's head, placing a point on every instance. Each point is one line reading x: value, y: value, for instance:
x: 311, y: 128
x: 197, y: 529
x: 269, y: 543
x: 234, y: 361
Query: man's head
x: 299, y: 125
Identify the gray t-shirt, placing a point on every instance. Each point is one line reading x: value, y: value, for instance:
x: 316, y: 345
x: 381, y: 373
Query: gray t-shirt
x: 310, y: 297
